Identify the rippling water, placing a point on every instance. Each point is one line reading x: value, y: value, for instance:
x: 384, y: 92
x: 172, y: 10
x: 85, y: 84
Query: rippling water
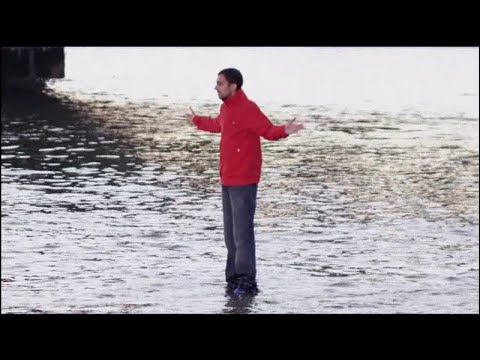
x: 116, y: 207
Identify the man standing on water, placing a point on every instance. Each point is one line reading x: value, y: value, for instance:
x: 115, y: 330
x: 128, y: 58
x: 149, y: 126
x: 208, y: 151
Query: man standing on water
x: 241, y: 123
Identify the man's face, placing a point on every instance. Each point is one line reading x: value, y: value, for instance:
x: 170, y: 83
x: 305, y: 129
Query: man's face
x: 223, y: 88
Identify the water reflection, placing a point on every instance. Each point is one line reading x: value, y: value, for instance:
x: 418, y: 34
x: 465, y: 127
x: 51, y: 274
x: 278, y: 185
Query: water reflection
x: 243, y: 304
x: 55, y: 133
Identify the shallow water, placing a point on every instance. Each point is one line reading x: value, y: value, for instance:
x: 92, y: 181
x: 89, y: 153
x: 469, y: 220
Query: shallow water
x: 112, y: 207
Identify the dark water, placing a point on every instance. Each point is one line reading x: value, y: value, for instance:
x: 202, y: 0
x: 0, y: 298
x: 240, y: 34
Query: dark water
x: 116, y: 208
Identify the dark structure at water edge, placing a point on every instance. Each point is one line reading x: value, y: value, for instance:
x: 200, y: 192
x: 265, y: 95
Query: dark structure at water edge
x: 29, y: 67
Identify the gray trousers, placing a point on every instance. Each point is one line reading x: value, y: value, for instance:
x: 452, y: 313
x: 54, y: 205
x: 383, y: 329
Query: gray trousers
x: 239, y: 204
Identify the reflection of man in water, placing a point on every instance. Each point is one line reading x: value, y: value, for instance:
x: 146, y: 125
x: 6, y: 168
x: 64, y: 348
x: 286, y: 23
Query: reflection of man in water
x: 241, y: 123
x: 240, y: 304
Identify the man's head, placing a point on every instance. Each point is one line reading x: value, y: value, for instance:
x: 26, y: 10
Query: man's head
x: 228, y: 82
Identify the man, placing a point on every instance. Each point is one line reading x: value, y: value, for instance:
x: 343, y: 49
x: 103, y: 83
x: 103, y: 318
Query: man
x: 241, y: 123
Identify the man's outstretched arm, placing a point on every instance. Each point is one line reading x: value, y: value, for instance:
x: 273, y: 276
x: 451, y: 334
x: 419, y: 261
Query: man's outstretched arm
x: 204, y: 123
x: 262, y: 125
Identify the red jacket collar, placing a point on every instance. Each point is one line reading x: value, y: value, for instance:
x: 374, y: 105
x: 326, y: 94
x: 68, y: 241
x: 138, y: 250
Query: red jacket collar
x: 236, y: 98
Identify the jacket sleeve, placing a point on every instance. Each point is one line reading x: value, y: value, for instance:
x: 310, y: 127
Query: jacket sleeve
x: 206, y: 123
x: 262, y: 126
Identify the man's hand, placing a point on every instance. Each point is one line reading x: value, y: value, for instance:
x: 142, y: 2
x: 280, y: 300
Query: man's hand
x: 190, y: 116
x: 291, y: 128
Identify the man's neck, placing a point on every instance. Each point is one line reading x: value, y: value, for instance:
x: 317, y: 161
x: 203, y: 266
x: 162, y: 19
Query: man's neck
x: 235, y: 97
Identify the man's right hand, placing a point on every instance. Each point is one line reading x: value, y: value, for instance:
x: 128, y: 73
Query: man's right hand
x: 190, y: 116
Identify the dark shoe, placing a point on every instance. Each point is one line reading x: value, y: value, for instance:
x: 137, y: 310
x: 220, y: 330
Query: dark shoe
x: 231, y: 285
x: 246, y: 286
x: 240, y: 291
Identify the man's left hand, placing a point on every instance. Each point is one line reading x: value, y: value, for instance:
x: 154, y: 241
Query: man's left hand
x: 291, y: 128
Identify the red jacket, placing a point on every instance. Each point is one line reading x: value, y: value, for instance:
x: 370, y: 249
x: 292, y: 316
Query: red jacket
x: 241, y: 123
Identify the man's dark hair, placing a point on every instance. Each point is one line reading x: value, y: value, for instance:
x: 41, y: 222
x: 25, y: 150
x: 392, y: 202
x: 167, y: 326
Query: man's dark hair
x: 233, y: 76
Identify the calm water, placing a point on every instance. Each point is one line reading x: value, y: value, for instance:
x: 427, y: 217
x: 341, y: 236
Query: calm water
x: 111, y: 203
